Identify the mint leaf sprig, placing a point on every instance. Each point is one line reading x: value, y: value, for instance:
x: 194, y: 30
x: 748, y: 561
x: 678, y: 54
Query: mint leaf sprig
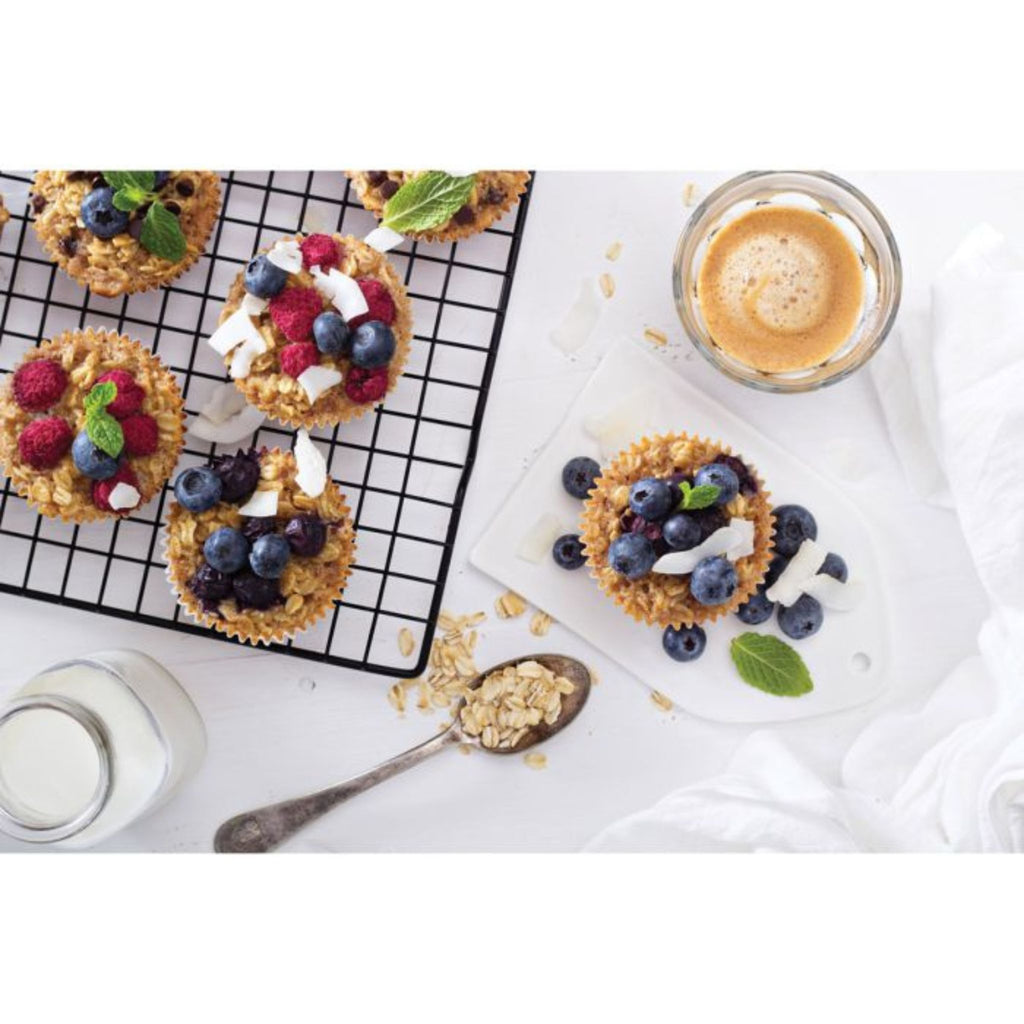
x: 104, y: 431
x: 701, y: 496
x: 161, y: 233
x: 770, y: 664
x: 427, y: 201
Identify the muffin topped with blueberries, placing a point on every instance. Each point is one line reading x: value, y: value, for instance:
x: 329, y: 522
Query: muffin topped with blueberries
x: 260, y: 543
x: 439, y: 206
x: 316, y: 330
x: 91, y: 426
x: 677, y: 530
x: 118, y: 232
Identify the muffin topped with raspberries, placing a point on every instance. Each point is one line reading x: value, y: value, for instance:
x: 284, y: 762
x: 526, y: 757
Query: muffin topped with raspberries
x: 316, y: 330
x: 118, y: 232
x: 259, y: 544
x: 439, y: 206
x: 677, y: 530
x: 5, y: 216
x: 91, y: 425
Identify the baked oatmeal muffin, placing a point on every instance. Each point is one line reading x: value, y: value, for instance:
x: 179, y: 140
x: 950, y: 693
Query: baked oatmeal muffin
x: 678, y: 530
x: 250, y: 552
x: 139, y: 230
x: 316, y: 329
x: 492, y: 195
x: 91, y: 426
x: 5, y: 216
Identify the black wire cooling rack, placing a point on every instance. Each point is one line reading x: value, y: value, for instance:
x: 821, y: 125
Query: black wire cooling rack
x: 404, y: 467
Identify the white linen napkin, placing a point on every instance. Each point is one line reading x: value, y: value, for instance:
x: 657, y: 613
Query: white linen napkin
x: 951, y: 774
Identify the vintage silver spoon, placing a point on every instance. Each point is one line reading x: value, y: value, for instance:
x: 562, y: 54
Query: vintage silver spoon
x: 261, y: 830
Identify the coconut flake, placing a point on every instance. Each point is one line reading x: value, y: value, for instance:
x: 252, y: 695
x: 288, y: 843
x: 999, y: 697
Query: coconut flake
x: 342, y: 291
x: 261, y: 505
x: 579, y: 321
x: 383, y: 239
x: 833, y: 594
x: 315, y: 380
x: 253, y: 304
x: 805, y: 564
x: 237, y: 329
x: 123, y: 496
x: 286, y: 255
x: 538, y: 539
x: 311, y: 475
x: 241, y: 361
x: 236, y: 428
x: 614, y: 428
x: 679, y: 563
x: 744, y: 547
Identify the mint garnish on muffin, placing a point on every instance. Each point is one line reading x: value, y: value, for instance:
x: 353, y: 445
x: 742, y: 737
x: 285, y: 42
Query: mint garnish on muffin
x: 771, y: 665
x: 426, y: 201
x: 701, y: 496
x: 104, y: 431
x: 161, y: 233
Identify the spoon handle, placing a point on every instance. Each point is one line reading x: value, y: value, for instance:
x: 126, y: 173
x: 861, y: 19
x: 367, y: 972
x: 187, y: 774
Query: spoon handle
x: 261, y: 830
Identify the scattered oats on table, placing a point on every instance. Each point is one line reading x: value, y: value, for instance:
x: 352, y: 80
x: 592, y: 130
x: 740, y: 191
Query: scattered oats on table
x: 406, y: 641
x: 613, y: 251
x: 510, y: 605
x: 540, y: 624
x: 655, y: 336
x: 535, y: 760
x: 663, y: 702
x: 689, y: 193
x: 607, y: 283
x: 509, y: 702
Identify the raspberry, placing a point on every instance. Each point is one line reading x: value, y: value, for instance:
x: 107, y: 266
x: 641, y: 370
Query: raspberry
x: 38, y: 384
x: 43, y: 443
x: 364, y: 386
x: 294, y: 310
x: 378, y: 298
x: 101, y: 488
x: 320, y: 251
x: 129, y: 394
x: 298, y: 357
x: 141, y: 435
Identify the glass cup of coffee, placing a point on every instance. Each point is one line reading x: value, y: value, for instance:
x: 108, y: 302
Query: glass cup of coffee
x: 787, y: 280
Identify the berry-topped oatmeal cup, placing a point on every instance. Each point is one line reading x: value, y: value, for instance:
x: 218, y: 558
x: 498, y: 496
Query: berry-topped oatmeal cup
x: 316, y: 330
x: 439, y: 206
x: 259, y: 544
x: 91, y: 426
x: 118, y: 232
x: 678, y: 530
x: 5, y: 216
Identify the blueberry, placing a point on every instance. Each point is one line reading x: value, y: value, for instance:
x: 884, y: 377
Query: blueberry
x: 226, y: 550
x: 801, y: 619
x: 748, y: 482
x: 775, y: 569
x: 793, y: 525
x: 269, y: 556
x: 254, y: 527
x: 90, y: 460
x: 653, y: 499
x: 252, y: 591
x: 757, y: 608
x: 722, y: 477
x: 710, y: 520
x: 198, y: 489
x: 578, y: 476
x: 210, y: 585
x: 239, y: 474
x: 632, y: 555
x: 686, y: 643
x: 160, y: 178
x: 100, y: 216
x: 263, y: 279
x: 373, y: 345
x: 567, y: 551
x: 331, y: 334
x: 713, y: 581
x: 682, y: 532
x: 835, y: 566
x: 306, y: 535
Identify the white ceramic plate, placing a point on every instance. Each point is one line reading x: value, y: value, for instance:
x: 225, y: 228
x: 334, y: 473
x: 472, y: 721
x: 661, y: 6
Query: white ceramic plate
x: 632, y: 394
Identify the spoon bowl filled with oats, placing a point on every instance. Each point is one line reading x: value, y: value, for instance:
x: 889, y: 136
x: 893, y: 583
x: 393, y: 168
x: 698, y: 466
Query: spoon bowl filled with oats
x: 506, y: 709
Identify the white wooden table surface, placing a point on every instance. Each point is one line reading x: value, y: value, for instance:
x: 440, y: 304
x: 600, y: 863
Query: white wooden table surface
x: 279, y: 726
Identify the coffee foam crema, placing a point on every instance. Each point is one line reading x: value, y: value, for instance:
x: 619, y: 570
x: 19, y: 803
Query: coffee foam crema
x: 781, y: 288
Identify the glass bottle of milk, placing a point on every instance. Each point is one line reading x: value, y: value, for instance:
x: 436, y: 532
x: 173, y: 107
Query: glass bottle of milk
x: 89, y: 746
